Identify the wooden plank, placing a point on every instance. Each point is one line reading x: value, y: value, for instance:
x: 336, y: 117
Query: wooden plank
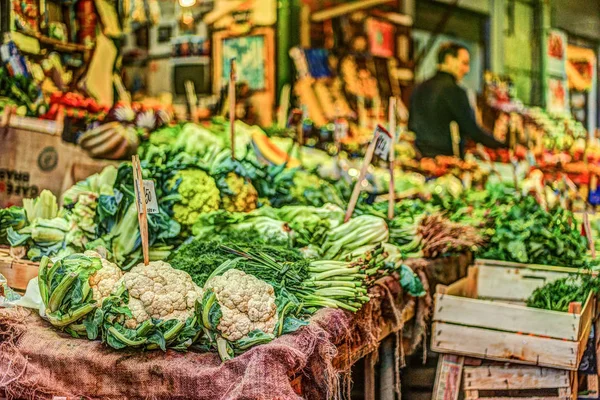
x: 458, y: 288
x: 587, y: 315
x: 538, y: 267
x: 512, y: 283
x: 387, y: 369
x: 502, y: 346
x: 525, y: 398
x: 514, y: 378
x: 342, y: 9
x: 506, y: 317
x: 471, y: 394
x: 565, y: 393
x: 573, y: 391
x: 472, y: 288
x: 592, y: 384
x: 448, y: 377
x: 584, y: 337
x: 370, y: 361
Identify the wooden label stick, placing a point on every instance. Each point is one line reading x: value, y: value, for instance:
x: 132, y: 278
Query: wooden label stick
x: 455, y: 134
x: 300, y: 127
x: 140, y: 204
x: 232, y: 78
x: 379, y: 130
x: 511, y: 150
x: 392, y: 128
x: 124, y: 95
x: 376, y: 109
x: 190, y: 94
x: 340, y: 132
x: 588, y: 234
x: 362, y: 118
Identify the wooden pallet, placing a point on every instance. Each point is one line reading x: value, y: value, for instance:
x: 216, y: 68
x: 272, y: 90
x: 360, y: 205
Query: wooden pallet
x: 18, y: 273
x: 511, y: 381
x: 500, y: 327
x: 492, y: 380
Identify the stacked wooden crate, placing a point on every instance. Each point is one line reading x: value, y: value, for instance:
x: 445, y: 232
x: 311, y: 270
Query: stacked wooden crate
x: 536, y: 352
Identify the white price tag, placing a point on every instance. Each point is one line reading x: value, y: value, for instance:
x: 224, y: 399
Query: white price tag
x: 383, y: 144
x: 531, y: 158
x: 340, y: 130
x: 150, y: 197
x: 467, y: 180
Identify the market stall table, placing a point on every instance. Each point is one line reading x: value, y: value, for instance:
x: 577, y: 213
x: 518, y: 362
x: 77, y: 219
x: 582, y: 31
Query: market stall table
x: 38, y: 362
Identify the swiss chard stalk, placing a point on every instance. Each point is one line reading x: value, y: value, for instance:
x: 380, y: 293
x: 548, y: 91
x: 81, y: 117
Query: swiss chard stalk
x: 60, y: 321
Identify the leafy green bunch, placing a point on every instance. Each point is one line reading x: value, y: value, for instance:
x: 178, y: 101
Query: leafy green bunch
x: 529, y: 234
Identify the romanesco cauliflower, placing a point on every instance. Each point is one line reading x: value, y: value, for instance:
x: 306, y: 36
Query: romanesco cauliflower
x: 243, y: 197
x: 199, y: 194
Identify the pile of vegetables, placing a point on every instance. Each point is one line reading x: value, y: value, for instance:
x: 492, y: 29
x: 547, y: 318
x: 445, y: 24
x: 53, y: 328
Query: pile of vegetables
x: 527, y: 233
x: 157, y: 307
x: 37, y: 226
x: 242, y: 252
x: 557, y: 295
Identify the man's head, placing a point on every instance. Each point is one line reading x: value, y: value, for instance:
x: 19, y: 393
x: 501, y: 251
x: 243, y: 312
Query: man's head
x: 454, y: 59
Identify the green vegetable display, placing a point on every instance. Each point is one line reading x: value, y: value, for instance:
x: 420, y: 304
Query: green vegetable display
x: 358, y: 232
x: 44, y: 237
x: 12, y: 217
x: 529, y: 234
x: 243, y: 252
x: 559, y: 294
x: 118, y: 227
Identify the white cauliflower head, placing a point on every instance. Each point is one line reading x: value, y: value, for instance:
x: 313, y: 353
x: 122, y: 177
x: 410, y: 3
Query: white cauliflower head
x: 246, y: 302
x: 103, y: 281
x: 159, y: 291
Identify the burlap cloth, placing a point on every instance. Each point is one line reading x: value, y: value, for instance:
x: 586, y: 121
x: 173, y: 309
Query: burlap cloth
x: 38, y: 362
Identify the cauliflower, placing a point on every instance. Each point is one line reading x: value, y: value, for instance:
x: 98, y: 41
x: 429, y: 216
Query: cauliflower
x: 242, y: 196
x: 159, y: 291
x: 103, y: 281
x: 199, y: 194
x: 246, y: 304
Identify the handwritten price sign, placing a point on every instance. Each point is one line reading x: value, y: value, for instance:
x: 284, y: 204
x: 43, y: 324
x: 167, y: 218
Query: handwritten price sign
x: 149, y: 197
x: 383, y: 143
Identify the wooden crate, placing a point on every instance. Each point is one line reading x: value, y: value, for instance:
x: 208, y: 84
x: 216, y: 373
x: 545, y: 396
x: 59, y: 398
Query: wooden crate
x: 511, y: 381
x: 483, y: 316
x: 18, y: 273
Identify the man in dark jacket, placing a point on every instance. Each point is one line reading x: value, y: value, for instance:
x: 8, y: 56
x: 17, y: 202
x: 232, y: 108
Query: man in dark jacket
x: 438, y: 101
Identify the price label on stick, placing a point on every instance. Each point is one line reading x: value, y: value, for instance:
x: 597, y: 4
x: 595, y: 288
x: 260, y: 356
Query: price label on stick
x: 383, y: 143
x: 150, y: 197
x: 379, y: 131
x: 140, y: 194
x: 340, y: 129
